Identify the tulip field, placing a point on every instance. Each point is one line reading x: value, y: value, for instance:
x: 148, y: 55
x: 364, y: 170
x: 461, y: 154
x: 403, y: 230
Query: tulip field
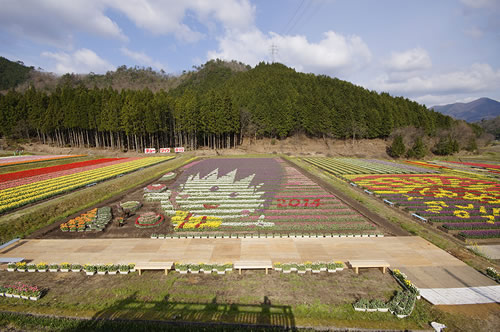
x: 22, y: 191
x: 9, y: 161
x: 255, y: 194
x: 469, y: 205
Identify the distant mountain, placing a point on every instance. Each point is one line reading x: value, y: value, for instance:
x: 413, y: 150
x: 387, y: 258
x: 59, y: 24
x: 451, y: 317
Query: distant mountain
x: 12, y: 73
x: 482, y: 108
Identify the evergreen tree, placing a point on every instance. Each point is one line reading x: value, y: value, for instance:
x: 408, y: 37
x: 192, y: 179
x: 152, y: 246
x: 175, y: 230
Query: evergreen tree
x: 398, y: 147
x: 418, y: 150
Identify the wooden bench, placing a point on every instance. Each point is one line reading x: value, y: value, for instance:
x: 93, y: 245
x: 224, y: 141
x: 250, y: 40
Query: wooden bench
x: 154, y: 266
x: 356, y: 264
x: 253, y: 265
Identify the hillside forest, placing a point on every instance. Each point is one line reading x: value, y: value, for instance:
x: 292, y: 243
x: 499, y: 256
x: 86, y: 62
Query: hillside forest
x: 215, y: 106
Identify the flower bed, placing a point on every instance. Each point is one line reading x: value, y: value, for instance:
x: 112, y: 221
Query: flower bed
x: 155, y: 188
x: 149, y: 220
x: 482, y: 234
x: 131, y: 206
x: 12, y: 198
x: 341, y: 166
x: 43, y: 175
x: 168, y: 176
x: 184, y: 268
x: 8, y: 161
x: 405, y: 282
x: 447, y: 199
x: 252, y: 195
x: 95, y: 219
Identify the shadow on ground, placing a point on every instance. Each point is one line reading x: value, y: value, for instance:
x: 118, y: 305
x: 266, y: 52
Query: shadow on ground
x: 133, y: 314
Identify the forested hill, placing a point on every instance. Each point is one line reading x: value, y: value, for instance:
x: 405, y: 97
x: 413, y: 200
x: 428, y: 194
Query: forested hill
x: 12, y: 73
x: 215, y: 105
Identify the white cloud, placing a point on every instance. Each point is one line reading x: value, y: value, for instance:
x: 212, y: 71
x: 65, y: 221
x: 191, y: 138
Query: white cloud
x: 333, y: 54
x: 478, y: 78
x: 80, y: 61
x: 55, y: 22
x: 142, y: 58
x: 167, y: 16
x: 411, y: 60
x: 435, y: 100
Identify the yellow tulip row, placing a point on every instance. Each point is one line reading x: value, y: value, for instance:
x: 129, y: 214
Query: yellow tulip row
x: 12, y: 198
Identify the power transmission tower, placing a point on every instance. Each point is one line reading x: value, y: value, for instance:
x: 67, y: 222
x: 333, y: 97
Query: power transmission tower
x: 274, y: 51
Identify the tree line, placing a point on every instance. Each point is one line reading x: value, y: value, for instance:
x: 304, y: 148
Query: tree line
x: 215, y: 107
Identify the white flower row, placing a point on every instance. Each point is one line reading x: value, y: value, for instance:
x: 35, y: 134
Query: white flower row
x: 256, y: 223
x: 224, y: 195
x: 223, y: 201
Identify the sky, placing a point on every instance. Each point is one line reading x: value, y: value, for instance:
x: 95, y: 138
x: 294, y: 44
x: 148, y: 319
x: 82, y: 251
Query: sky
x: 433, y: 52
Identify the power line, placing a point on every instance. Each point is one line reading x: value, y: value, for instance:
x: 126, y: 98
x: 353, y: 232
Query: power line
x: 293, y: 16
x: 306, y: 8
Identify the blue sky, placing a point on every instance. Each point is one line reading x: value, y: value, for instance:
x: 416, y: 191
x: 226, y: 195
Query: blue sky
x: 434, y: 52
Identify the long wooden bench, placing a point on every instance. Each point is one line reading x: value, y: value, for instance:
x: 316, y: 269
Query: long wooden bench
x: 253, y: 265
x: 356, y: 264
x: 154, y: 266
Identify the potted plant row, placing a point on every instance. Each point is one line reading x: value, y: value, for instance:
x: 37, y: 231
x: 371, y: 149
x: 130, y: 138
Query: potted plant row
x: 370, y: 306
x: 315, y: 267
x: 20, y: 290
x: 184, y: 268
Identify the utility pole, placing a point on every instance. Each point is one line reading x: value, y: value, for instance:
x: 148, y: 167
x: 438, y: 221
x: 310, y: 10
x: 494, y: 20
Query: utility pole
x: 274, y: 51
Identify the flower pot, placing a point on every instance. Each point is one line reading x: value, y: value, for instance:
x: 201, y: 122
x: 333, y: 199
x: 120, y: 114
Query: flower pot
x: 323, y: 269
x: 132, y: 270
x: 419, y: 297
x: 64, y: 270
x: 112, y: 272
x: 90, y: 273
x: 8, y: 295
x: 101, y: 273
x: 293, y: 269
x: 287, y: 271
x: 124, y: 272
x: 25, y: 297
x: 10, y: 270
x: 221, y: 272
x: 332, y: 270
x: 16, y: 296
x: 207, y: 272
x: 34, y: 298
x: 75, y: 270
x: 278, y: 269
x: 316, y: 271
x: 1, y: 294
x: 32, y: 270
x: 359, y: 309
x: 229, y: 269
x: 301, y: 271
x: 183, y: 272
x: 53, y: 270
x: 195, y: 271
x: 401, y: 316
x: 383, y: 309
x: 339, y: 268
x: 371, y: 310
x: 42, y: 270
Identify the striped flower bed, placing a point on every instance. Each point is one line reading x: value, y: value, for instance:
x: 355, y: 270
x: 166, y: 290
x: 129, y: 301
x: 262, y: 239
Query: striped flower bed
x: 341, y: 166
x: 255, y: 194
x: 471, y: 202
x: 57, y: 171
x: 9, y: 161
x: 12, y: 198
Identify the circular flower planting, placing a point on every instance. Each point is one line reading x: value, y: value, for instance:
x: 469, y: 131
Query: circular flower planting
x: 155, y: 188
x: 131, y: 206
x: 149, y: 220
x: 168, y: 176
